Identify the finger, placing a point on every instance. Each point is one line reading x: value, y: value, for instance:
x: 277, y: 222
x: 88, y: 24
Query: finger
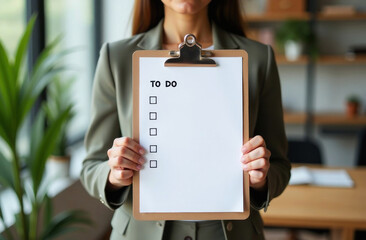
x: 121, y: 182
x: 129, y: 143
x: 260, y: 152
x: 128, y: 164
x: 256, y: 175
x: 261, y: 163
x: 123, y: 174
x: 126, y: 153
x: 253, y: 143
x: 123, y: 163
x: 116, y: 180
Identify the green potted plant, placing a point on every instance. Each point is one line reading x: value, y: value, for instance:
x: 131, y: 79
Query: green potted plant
x: 18, y: 93
x: 293, y: 36
x: 353, y: 105
x: 58, y: 101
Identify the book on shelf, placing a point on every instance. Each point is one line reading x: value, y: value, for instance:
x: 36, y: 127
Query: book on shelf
x: 332, y: 10
x: 321, y: 177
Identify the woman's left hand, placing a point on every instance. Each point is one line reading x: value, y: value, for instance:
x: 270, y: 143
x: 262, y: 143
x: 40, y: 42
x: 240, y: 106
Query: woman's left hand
x: 255, y: 161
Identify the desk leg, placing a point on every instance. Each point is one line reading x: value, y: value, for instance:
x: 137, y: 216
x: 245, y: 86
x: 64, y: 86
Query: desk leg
x: 343, y: 234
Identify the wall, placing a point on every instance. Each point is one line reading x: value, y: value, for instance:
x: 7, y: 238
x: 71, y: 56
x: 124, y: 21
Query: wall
x: 117, y: 19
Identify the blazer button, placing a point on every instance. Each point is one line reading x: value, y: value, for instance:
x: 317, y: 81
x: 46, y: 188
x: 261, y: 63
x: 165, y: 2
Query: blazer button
x: 159, y: 224
x: 229, y: 226
x: 102, y: 201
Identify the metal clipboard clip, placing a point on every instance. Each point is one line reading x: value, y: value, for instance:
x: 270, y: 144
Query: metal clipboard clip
x: 190, y: 54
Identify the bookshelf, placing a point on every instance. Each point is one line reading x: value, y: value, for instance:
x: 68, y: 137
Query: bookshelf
x: 336, y: 60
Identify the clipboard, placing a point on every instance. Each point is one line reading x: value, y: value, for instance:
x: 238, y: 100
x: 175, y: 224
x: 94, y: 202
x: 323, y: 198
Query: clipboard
x: 159, y: 190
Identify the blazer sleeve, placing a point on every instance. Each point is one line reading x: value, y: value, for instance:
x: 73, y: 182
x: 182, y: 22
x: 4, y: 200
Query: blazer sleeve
x: 270, y: 126
x: 102, y: 131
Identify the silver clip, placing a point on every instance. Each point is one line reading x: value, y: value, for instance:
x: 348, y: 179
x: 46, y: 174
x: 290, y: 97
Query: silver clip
x: 190, y: 53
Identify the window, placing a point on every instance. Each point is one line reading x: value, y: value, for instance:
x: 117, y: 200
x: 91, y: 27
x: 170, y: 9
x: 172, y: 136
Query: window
x: 74, y: 22
x: 12, y: 23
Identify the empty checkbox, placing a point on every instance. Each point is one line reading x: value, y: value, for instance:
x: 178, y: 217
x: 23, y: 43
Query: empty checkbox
x: 153, y: 131
x: 153, y: 163
x: 153, y: 115
x: 153, y: 148
x: 153, y: 100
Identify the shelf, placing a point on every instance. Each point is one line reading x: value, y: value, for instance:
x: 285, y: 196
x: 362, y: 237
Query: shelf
x: 341, y: 60
x: 338, y: 17
x: 276, y: 17
x: 324, y: 60
x: 294, y: 118
x: 339, y: 119
x: 281, y: 59
x: 251, y: 18
x: 326, y: 119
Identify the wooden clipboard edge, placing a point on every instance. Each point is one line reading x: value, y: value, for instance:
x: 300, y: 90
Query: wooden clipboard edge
x: 135, y: 135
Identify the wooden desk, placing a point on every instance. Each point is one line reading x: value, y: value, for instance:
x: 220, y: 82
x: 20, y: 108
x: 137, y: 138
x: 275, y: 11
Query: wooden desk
x: 343, y: 210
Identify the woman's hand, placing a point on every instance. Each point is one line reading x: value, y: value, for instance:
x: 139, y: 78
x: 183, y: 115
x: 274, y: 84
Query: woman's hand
x: 125, y: 157
x: 255, y: 161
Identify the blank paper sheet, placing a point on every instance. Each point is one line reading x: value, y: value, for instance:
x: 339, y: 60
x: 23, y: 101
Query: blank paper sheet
x: 191, y: 124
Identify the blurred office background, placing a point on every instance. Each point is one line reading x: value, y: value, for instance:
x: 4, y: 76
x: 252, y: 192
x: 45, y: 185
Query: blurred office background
x: 314, y: 92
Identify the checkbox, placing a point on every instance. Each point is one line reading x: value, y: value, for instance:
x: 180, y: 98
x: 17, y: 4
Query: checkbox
x: 153, y: 148
x: 153, y: 100
x: 153, y: 131
x: 153, y: 115
x: 153, y: 163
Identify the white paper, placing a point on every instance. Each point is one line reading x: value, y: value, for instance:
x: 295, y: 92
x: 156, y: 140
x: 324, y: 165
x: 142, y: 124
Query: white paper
x: 331, y: 178
x: 321, y: 177
x: 300, y: 175
x: 193, y: 125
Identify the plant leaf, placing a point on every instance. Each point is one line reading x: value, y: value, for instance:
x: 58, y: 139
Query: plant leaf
x: 3, y: 132
x: 5, y: 76
x: 6, y: 178
x: 6, y: 99
x: 42, y: 74
x: 22, y: 47
x: 44, y: 150
x: 59, y: 99
x: 63, y: 222
x: 29, y: 93
x: 37, y: 132
x: 48, y: 210
x: 19, y: 225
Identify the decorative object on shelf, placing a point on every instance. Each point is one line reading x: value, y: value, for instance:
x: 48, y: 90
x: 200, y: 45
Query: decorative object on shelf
x: 263, y: 35
x: 293, y: 36
x: 266, y: 36
x: 293, y: 50
x: 353, y: 106
x: 339, y: 10
x: 19, y: 91
x: 253, y: 6
x: 59, y: 101
x: 355, y: 51
x: 285, y: 6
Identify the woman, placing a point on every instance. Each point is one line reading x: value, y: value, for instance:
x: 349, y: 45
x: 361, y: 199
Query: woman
x: 113, y: 157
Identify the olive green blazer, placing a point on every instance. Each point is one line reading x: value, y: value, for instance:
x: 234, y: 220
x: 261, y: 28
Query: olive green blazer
x: 112, y: 118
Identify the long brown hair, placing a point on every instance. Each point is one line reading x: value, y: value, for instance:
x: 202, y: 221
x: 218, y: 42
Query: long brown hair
x: 225, y: 13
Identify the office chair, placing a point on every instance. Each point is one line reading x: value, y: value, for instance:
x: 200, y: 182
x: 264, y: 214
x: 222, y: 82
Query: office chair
x: 361, y: 150
x: 361, y: 161
x: 304, y: 151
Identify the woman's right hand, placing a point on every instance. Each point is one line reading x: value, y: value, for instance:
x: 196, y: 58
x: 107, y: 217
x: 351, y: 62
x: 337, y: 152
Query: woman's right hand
x: 125, y: 157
